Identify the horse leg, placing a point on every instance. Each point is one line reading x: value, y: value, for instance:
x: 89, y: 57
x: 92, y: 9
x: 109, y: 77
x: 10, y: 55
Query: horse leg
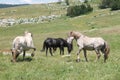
x: 69, y: 50
x: 50, y: 50
x: 23, y: 54
x: 62, y: 48
x: 46, y: 51
x: 105, y: 52
x: 14, y: 55
x: 78, y: 57
x: 85, y: 55
x: 34, y: 49
x: 98, y: 55
x: 54, y: 49
x: 105, y: 57
x: 17, y: 55
x: 12, y: 60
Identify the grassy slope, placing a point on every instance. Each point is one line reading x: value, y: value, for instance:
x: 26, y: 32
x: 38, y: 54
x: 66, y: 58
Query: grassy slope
x: 30, y: 11
x: 58, y: 68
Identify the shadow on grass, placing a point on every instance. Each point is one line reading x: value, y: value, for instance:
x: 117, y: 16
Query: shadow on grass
x: 28, y: 59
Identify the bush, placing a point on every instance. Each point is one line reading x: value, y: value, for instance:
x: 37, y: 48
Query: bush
x: 67, y: 2
x: 105, y: 4
x: 113, y: 4
x: 77, y: 10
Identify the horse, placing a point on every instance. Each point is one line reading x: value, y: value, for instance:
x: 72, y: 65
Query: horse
x: 54, y: 43
x: 22, y: 44
x: 89, y: 43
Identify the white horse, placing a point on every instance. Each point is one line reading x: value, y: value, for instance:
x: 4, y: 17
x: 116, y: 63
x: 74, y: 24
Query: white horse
x: 87, y: 43
x: 22, y: 44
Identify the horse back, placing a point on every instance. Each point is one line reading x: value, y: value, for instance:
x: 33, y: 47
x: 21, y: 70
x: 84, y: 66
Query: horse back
x: 22, y: 42
x: 55, y: 42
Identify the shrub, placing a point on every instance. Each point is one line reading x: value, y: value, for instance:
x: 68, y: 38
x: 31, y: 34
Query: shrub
x: 113, y: 4
x: 104, y: 4
x: 77, y: 10
x: 67, y: 2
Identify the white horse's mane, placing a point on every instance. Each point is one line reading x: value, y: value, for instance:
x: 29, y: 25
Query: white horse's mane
x: 75, y: 34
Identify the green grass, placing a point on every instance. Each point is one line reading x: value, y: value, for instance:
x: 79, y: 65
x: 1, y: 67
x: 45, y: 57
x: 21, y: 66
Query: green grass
x: 41, y: 67
x: 29, y: 11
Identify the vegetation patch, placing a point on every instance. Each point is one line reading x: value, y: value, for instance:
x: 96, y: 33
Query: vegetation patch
x: 77, y: 10
x: 113, y: 4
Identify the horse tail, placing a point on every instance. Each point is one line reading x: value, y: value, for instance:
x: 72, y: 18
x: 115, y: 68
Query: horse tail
x: 106, y: 50
x: 44, y: 45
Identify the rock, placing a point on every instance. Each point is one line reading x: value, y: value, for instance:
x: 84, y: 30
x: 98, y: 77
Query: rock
x: 40, y: 19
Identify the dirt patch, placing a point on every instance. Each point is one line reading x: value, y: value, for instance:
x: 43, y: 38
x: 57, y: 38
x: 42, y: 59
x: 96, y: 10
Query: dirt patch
x: 113, y: 30
x: 5, y: 51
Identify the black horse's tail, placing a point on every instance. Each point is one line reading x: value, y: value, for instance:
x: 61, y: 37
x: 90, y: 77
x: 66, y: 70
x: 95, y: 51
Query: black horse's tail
x: 43, y: 49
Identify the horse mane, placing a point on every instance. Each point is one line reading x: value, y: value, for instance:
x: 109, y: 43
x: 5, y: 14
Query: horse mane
x: 26, y: 32
x: 75, y: 34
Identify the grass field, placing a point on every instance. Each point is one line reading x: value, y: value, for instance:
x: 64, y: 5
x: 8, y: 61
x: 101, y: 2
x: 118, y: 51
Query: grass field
x: 41, y: 67
x: 28, y: 11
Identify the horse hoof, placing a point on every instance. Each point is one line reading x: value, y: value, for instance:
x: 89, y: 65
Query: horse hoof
x: 13, y: 61
x: 78, y: 60
x: 52, y: 54
x: 34, y: 49
x: 32, y: 55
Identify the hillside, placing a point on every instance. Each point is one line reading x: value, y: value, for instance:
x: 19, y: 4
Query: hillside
x: 100, y: 23
x: 11, y: 5
x: 28, y: 11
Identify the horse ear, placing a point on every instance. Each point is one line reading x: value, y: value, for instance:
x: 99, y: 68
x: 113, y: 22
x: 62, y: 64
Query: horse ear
x: 71, y: 32
x: 26, y: 32
x: 31, y: 35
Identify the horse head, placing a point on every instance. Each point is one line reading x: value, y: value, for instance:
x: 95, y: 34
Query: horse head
x: 27, y: 33
x: 73, y: 35
x: 15, y: 53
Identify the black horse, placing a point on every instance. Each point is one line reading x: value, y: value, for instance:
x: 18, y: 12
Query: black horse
x: 54, y: 43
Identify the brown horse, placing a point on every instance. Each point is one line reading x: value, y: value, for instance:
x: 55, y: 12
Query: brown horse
x: 89, y: 43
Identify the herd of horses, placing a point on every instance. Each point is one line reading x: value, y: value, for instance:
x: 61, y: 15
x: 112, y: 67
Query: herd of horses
x: 24, y: 43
